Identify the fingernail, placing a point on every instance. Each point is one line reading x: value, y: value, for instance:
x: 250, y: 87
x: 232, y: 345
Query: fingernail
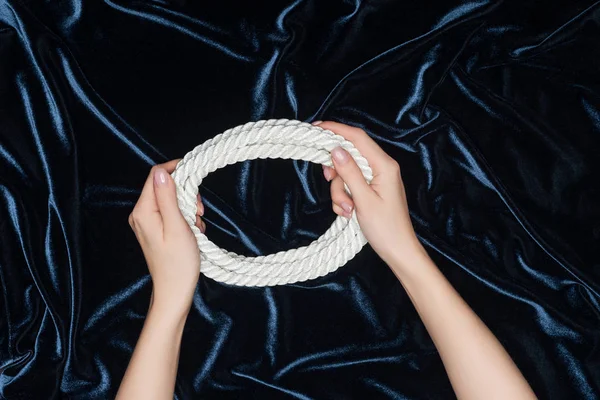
x: 347, y: 215
x: 340, y: 155
x: 203, y: 227
x: 326, y: 173
x: 160, y: 176
x: 317, y: 122
x: 346, y: 207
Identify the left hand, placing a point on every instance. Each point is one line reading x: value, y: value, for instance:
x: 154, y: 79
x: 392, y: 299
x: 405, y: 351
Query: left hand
x: 167, y: 241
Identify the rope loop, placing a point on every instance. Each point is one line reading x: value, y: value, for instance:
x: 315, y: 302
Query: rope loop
x: 282, y: 138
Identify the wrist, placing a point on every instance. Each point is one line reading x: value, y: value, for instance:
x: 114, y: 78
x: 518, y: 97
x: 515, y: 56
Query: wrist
x: 408, y: 259
x: 166, y: 317
x: 169, y: 310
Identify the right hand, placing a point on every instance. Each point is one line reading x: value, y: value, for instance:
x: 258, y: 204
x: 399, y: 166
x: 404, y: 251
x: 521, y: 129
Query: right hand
x: 381, y: 207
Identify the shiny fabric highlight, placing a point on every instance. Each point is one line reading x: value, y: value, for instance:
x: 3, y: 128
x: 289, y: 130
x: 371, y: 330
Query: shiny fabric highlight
x: 491, y: 108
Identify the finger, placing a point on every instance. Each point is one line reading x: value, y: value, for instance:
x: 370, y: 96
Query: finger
x: 329, y: 173
x: 351, y: 174
x: 339, y: 211
x: 374, y: 154
x: 199, y: 206
x: 166, y: 198
x: 200, y: 224
x: 147, y: 200
x: 340, y: 197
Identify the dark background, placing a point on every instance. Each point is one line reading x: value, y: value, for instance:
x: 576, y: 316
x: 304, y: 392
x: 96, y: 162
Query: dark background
x: 491, y: 108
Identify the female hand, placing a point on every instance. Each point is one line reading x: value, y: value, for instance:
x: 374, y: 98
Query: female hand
x: 381, y: 207
x: 477, y: 364
x: 167, y: 241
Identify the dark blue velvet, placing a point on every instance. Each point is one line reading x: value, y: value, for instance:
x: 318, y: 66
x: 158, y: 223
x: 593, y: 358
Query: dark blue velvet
x: 491, y: 108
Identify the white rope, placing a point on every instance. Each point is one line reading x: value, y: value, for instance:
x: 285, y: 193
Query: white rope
x: 282, y: 138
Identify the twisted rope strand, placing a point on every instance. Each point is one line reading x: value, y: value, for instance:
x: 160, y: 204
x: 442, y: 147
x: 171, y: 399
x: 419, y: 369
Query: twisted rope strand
x: 287, y: 139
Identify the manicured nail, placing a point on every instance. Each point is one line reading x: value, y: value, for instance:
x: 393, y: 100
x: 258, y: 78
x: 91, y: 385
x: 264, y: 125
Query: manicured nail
x: 317, y: 122
x: 340, y: 155
x: 160, y: 176
x: 347, y: 215
x: 346, y: 207
x: 327, y: 173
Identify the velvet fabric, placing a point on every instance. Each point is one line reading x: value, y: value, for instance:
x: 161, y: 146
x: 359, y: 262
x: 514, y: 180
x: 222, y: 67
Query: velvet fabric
x: 492, y: 108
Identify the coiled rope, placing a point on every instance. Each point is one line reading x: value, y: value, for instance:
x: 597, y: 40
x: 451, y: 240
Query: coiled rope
x: 287, y: 139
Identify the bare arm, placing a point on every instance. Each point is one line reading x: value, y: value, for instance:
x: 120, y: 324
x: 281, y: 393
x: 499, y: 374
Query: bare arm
x: 153, y: 367
x: 173, y: 260
x: 477, y: 364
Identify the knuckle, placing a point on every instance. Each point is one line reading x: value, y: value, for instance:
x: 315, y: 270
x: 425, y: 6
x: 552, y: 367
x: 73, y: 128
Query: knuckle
x: 354, y: 132
x: 135, y: 218
x: 360, y: 131
x: 393, y: 165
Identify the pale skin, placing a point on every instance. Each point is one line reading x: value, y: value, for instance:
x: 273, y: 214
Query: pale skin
x: 477, y: 364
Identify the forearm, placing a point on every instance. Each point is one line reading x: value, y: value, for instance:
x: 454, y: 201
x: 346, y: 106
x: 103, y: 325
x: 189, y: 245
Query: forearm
x: 153, y: 367
x: 477, y: 364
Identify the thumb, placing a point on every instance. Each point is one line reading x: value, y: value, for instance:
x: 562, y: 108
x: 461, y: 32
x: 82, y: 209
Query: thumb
x: 350, y: 173
x: 166, y: 199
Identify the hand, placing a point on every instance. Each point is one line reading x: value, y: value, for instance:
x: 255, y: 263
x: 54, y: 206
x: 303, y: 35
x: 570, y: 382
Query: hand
x: 475, y: 360
x: 167, y: 241
x: 381, y: 207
